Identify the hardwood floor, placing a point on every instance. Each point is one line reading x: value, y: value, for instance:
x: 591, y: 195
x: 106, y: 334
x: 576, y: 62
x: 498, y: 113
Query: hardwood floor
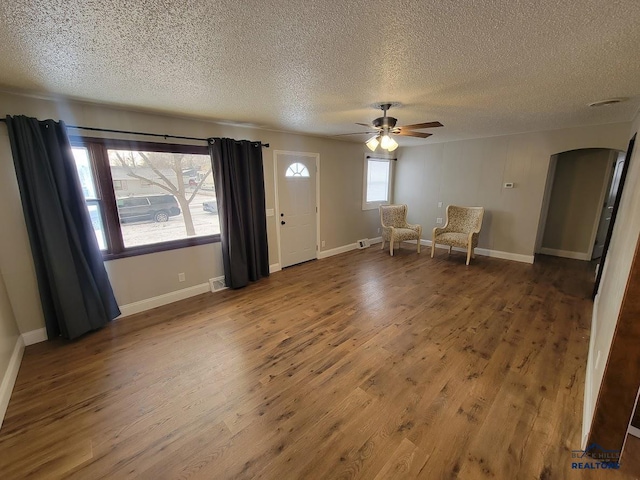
x: 357, y: 366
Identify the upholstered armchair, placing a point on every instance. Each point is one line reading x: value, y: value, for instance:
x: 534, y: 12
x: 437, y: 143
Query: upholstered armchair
x: 395, y: 227
x: 461, y: 230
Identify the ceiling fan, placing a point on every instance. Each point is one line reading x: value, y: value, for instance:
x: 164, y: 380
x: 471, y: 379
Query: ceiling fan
x: 385, y: 127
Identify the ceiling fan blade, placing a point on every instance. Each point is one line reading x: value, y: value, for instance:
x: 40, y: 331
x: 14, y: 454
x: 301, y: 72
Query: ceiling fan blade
x: 413, y: 134
x: 368, y: 125
x: 356, y: 133
x: 417, y: 126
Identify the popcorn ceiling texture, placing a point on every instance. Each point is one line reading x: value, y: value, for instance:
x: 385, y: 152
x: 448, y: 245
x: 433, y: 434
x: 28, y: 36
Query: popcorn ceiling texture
x: 482, y: 68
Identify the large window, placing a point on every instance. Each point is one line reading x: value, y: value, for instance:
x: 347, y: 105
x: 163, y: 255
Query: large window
x: 146, y: 197
x: 377, y: 183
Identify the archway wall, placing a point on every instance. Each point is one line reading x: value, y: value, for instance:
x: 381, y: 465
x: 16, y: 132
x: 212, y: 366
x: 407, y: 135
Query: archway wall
x: 608, y: 301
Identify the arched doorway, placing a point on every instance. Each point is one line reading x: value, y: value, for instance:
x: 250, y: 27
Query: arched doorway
x: 578, y: 202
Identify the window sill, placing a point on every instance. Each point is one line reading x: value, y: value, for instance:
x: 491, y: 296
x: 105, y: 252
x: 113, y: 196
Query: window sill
x: 161, y: 247
x: 373, y: 206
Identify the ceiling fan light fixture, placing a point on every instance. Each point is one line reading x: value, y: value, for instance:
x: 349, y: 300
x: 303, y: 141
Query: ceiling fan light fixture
x: 385, y: 141
x: 393, y: 145
x: 372, y: 143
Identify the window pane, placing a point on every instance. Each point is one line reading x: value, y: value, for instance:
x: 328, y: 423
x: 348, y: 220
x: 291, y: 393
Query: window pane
x: 377, y: 181
x: 163, y: 196
x: 297, y: 170
x: 96, y: 220
x: 83, y: 166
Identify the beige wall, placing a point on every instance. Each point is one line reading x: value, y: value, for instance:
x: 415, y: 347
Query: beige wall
x: 614, y: 280
x: 8, y: 331
x: 580, y: 179
x: 138, y: 278
x: 472, y: 172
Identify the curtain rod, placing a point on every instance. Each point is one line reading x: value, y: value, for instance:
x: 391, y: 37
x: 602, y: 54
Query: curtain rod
x: 127, y: 132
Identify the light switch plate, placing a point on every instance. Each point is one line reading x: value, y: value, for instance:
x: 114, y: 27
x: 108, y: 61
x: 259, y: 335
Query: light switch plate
x: 270, y: 212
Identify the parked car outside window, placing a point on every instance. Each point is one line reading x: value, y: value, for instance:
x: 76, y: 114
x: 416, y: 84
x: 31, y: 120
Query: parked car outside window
x: 149, y: 207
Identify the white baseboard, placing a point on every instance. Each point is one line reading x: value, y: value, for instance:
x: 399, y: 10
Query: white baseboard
x: 485, y: 252
x: 346, y: 248
x: 34, y: 336
x: 634, y: 431
x: 516, y: 257
x: 274, y: 268
x: 565, y: 254
x: 336, y: 251
x: 10, y: 375
x: 160, y: 300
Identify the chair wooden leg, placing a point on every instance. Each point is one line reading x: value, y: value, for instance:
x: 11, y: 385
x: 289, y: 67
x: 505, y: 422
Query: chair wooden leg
x: 391, y: 247
x: 382, y: 245
x: 469, y: 254
x: 433, y: 247
x: 450, y: 248
x: 418, y: 244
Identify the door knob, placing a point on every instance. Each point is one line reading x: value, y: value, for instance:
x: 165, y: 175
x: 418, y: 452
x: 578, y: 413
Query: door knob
x: 282, y: 222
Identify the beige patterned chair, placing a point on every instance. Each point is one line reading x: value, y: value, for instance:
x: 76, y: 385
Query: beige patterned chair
x: 395, y: 227
x: 461, y: 230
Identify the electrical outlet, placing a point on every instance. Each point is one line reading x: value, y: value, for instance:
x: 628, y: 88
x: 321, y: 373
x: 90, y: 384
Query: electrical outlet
x: 323, y: 243
x: 439, y: 221
x: 378, y: 230
x: 439, y: 204
x: 181, y: 277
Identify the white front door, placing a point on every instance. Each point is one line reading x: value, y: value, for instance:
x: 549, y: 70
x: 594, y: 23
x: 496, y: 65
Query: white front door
x: 296, y: 179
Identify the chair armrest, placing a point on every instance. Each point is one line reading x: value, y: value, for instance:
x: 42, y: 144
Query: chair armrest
x: 414, y: 227
x: 438, y: 230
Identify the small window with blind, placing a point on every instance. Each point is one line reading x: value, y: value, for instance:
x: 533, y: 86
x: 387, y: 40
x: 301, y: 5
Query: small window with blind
x: 377, y: 182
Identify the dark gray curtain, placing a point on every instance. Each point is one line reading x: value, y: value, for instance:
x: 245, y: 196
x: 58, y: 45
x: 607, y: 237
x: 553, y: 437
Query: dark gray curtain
x: 239, y: 178
x: 74, y: 288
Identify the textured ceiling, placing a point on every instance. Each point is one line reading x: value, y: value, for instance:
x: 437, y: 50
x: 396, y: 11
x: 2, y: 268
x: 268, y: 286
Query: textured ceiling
x: 482, y: 68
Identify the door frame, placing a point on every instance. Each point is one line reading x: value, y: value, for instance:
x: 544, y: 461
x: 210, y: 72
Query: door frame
x: 613, y: 159
x: 614, y: 213
x: 316, y: 156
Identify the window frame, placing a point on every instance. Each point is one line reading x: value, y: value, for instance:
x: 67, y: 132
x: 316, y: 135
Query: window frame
x: 375, y: 205
x: 106, y: 193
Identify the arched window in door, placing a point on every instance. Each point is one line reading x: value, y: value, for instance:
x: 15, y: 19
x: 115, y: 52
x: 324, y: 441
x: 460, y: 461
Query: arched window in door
x: 297, y: 170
